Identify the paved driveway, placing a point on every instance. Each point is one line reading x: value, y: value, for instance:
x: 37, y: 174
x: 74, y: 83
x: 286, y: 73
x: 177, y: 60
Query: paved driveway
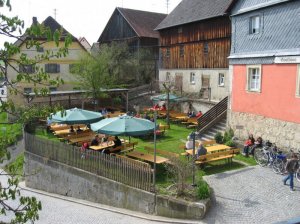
x: 252, y: 195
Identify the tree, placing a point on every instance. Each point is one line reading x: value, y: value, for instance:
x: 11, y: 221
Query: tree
x: 93, y: 73
x: 26, y: 208
x: 112, y: 67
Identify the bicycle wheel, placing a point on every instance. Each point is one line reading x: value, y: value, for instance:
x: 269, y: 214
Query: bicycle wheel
x: 298, y: 175
x: 278, y: 166
x: 261, y: 157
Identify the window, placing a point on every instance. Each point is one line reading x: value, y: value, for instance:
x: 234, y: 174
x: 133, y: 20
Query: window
x: 205, y: 48
x: 221, y: 81
x: 180, y: 29
x: 52, y: 68
x: 168, y: 52
x: 254, y: 25
x: 27, y: 90
x: 192, y: 78
x: 40, y: 49
x: 181, y: 51
x: 52, y: 89
x: 26, y: 69
x: 254, y: 78
x: 168, y: 76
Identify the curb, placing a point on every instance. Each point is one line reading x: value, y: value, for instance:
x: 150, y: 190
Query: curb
x: 108, y: 208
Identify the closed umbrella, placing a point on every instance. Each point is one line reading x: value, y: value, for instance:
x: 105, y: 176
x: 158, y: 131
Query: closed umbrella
x: 123, y: 125
x: 76, y: 116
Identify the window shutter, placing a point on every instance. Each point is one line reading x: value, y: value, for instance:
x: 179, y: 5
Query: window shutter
x: 57, y: 68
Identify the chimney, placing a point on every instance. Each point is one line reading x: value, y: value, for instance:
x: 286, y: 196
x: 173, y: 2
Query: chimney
x: 34, y: 20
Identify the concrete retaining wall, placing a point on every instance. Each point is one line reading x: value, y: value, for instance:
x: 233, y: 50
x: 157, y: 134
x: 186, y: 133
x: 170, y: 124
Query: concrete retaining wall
x: 61, y: 179
x: 175, y: 208
x: 46, y: 175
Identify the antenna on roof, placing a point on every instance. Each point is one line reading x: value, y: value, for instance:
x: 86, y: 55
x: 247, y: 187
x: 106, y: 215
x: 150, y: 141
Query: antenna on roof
x: 55, y: 12
x: 167, y: 4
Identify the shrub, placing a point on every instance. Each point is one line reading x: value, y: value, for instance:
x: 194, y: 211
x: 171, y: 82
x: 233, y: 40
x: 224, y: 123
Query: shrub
x: 219, y: 138
x: 230, y: 143
x: 203, y: 190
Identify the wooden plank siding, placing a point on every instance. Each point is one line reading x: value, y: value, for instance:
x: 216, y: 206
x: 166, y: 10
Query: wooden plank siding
x: 216, y: 33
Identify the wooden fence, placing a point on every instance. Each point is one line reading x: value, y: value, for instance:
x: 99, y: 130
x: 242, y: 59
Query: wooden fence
x: 121, y: 169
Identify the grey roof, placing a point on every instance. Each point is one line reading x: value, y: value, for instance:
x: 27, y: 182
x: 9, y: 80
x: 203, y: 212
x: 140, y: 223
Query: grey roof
x: 189, y: 11
x: 143, y: 22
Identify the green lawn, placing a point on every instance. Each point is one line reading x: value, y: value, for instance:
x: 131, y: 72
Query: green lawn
x: 10, y: 131
x: 171, y: 141
x: 248, y: 160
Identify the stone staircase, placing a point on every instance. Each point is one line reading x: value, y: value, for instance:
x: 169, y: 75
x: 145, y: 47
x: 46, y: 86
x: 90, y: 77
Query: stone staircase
x: 210, y: 133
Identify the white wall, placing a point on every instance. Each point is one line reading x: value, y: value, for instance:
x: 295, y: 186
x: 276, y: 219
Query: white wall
x: 217, y: 92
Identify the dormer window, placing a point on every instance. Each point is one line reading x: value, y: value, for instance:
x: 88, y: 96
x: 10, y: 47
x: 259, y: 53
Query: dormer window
x: 254, y: 25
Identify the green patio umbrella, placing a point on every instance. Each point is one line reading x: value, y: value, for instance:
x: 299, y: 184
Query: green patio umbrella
x: 164, y: 97
x: 124, y: 125
x: 76, y: 116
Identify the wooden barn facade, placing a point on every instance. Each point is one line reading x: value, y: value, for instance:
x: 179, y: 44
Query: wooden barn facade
x: 136, y: 29
x: 194, y: 45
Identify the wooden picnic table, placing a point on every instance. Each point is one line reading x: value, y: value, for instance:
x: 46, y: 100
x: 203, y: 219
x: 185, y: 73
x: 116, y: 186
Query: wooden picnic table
x: 182, y: 118
x: 81, y: 139
x: 67, y: 132
x: 77, y: 135
x: 103, y: 145
x: 147, y: 157
x: 58, y: 127
x: 211, y: 149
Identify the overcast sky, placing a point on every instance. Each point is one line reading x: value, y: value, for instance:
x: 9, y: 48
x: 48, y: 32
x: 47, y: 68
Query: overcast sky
x: 81, y: 18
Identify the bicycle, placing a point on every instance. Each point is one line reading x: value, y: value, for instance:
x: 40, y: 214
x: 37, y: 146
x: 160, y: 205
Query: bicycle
x: 262, y: 155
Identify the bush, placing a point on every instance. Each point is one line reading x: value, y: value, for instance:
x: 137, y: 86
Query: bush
x: 219, y: 138
x: 203, y: 190
x: 230, y: 143
x: 228, y: 135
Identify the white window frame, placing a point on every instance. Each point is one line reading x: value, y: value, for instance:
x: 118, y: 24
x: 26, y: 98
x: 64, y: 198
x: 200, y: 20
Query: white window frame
x: 192, y: 78
x: 221, y: 79
x: 252, y: 85
x: 298, y: 82
x: 255, y: 24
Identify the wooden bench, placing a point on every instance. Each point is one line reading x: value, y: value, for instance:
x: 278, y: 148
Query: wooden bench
x: 190, y: 121
x: 228, y: 154
x: 204, y: 143
x: 161, y: 152
x: 209, y: 142
x: 164, y: 127
x: 127, y: 147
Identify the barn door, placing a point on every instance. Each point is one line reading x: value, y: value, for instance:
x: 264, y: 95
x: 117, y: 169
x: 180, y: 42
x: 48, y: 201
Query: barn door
x: 205, y: 88
x: 178, y: 82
